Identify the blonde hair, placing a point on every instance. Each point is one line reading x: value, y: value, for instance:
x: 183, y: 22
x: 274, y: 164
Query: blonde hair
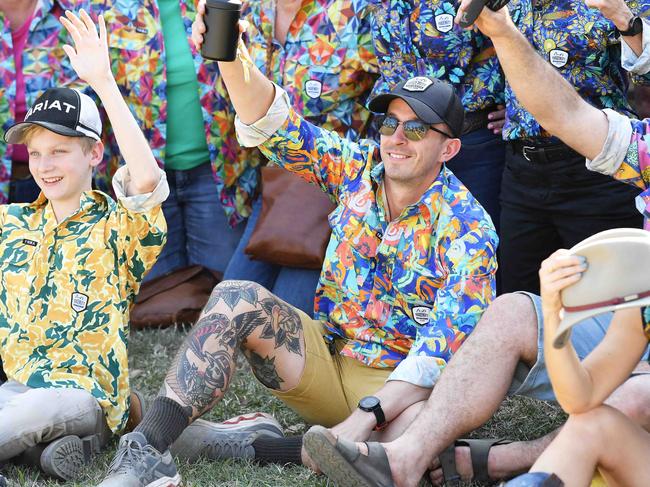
x: 28, y: 133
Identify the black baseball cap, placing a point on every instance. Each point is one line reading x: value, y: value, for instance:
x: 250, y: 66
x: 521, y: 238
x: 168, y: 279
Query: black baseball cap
x: 432, y: 100
x: 62, y: 110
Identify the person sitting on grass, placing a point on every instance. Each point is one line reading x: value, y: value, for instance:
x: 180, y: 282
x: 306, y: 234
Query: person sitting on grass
x: 71, y: 264
x: 608, y: 271
x: 408, y: 271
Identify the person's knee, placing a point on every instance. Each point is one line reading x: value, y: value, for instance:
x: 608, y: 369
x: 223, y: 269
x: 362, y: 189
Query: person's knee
x: 227, y: 295
x: 633, y: 399
x: 512, y: 318
x: 593, y: 427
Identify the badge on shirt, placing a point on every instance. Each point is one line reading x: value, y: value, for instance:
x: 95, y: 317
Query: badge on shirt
x: 313, y: 88
x: 419, y: 83
x: 444, y: 22
x: 79, y: 302
x: 421, y: 314
x: 558, y: 57
x: 31, y: 243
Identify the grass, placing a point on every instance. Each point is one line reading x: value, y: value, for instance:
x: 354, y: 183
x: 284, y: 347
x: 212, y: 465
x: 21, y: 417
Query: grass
x: 153, y: 350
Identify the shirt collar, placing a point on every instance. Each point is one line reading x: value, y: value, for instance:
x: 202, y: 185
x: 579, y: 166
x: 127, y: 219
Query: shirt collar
x: 429, y: 203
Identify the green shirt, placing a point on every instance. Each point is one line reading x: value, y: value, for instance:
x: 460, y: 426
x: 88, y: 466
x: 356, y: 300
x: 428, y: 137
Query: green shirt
x: 186, y: 139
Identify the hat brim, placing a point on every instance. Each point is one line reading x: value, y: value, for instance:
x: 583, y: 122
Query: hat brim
x: 379, y: 104
x: 15, y: 133
x: 570, y: 319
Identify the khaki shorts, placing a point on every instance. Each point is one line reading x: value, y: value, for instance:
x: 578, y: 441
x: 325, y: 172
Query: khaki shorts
x: 331, y: 385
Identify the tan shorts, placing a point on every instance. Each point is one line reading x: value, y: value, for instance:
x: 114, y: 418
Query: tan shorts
x: 331, y: 385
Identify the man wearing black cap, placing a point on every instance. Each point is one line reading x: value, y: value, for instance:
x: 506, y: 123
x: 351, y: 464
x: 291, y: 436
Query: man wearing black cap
x: 409, y: 269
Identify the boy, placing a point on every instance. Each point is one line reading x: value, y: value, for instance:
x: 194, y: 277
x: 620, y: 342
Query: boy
x: 70, y: 265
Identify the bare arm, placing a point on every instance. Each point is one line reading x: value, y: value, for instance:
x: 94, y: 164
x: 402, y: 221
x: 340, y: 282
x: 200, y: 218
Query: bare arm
x: 620, y: 14
x: 251, y: 99
x: 89, y: 58
x: 540, y: 88
x: 395, y: 396
x: 581, y: 386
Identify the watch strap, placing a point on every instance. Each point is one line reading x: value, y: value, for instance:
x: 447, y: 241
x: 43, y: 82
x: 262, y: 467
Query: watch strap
x: 634, y: 27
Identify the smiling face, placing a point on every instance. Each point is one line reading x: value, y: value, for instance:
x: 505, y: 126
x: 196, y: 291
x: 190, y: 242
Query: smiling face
x: 62, y: 166
x: 414, y: 164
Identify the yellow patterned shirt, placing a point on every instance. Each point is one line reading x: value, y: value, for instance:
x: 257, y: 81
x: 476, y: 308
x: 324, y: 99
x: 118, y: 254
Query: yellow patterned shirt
x: 66, y: 289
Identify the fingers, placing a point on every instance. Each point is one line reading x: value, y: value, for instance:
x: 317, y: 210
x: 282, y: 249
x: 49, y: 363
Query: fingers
x: 200, y: 8
x: 88, y: 22
x: 102, y: 29
x: 69, y: 50
x: 72, y: 30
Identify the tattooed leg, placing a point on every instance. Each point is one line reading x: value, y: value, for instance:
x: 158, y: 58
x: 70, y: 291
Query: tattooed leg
x: 244, y: 315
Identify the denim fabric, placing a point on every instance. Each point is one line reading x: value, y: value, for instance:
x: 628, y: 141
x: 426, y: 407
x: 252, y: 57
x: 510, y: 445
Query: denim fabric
x: 295, y: 286
x: 479, y: 165
x: 23, y: 190
x: 534, y: 382
x: 197, y: 227
x: 532, y: 479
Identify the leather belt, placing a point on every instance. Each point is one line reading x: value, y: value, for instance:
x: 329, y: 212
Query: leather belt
x: 476, y: 120
x: 543, y: 154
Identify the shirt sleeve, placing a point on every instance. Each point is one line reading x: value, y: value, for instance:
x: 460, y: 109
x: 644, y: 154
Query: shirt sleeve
x: 638, y: 65
x: 142, y: 229
x: 139, y: 202
x: 319, y: 156
x: 468, y: 290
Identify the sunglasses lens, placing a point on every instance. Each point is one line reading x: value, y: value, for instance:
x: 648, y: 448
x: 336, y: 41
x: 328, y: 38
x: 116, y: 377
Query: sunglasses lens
x: 415, y: 130
x: 388, y: 126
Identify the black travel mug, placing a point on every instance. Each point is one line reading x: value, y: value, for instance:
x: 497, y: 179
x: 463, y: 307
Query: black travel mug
x: 221, y: 30
x: 476, y: 7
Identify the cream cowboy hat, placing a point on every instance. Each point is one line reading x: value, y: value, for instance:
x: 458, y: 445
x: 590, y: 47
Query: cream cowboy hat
x: 618, y: 277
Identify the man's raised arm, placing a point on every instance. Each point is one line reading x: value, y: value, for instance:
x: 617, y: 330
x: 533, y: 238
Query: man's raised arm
x: 251, y: 98
x: 540, y: 88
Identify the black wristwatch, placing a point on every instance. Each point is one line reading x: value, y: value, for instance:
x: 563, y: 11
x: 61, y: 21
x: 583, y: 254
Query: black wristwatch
x: 633, y: 28
x: 371, y: 404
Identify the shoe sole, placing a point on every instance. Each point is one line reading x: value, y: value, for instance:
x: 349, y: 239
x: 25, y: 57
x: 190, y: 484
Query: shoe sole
x: 320, y: 443
x: 65, y: 457
x: 174, y: 481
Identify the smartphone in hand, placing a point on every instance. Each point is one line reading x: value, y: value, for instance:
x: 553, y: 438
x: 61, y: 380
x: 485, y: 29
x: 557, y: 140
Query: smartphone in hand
x: 475, y: 8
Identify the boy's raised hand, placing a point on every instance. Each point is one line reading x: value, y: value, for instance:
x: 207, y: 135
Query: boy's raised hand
x: 89, y: 56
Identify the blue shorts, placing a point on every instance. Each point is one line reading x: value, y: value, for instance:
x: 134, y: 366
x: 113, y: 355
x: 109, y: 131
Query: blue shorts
x: 534, y: 382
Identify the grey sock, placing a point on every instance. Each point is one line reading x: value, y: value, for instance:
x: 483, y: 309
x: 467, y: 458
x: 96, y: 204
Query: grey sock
x: 163, y: 423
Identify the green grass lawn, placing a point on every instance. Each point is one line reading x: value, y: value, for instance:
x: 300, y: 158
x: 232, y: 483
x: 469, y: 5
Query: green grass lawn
x: 153, y: 350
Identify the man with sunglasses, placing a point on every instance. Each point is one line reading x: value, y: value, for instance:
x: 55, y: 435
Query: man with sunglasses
x: 409, y: 270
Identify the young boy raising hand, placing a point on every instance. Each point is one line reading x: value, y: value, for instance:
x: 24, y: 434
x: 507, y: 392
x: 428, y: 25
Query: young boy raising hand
x: 71, y: 264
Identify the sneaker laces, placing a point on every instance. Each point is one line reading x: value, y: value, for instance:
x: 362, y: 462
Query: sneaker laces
x: 231, y: 447
x: 130, y: 455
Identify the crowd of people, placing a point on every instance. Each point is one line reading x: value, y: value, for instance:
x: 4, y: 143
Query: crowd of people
x: 489, y: 235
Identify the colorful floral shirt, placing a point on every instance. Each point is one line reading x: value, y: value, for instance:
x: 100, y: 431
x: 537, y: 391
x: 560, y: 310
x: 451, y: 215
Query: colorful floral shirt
x: 582, y: 45
x: 394, y: 290
x: 327, y: 66
x: 66, y: 290
x: 138, y: 61
x: 415, y: 37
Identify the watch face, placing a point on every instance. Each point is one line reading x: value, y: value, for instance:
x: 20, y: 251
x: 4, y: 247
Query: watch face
x: 368, y: 402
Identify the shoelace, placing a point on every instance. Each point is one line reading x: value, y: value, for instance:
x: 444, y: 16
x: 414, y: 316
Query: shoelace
x: 128, y: 456
x: 230, y: 448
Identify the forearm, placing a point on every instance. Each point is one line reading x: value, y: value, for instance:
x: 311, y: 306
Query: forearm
x: 558, y: 107
x: 135, y: 149
x: 571, y: 382
x: 251, y: 98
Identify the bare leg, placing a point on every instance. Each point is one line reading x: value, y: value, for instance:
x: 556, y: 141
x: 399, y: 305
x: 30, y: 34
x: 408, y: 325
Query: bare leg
x: 244, y: 315
x: 602, y: 437
x: 471, y: 388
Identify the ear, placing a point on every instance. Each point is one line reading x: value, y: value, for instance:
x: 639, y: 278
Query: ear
x: 97, y: 154
x: 452, y: 147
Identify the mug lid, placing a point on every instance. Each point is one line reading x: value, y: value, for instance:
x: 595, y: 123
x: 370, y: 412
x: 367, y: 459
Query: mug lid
x: 224, y: 4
